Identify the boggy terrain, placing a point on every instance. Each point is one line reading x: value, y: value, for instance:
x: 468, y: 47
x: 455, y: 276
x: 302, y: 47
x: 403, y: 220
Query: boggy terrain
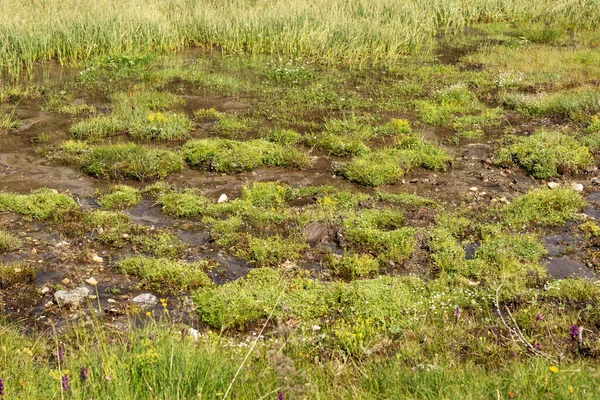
x: 422, y: 230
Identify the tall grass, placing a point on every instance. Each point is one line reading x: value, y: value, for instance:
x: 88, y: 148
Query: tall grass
x: 356, y: 32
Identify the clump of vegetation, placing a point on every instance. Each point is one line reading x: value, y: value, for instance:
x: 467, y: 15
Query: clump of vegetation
x: 272, y: 251
x: 546, y: 154
x: 284, y: 136
x: 98, y: 127
x: 118, y: 161
x: 543, y: 207
x: 353, y: 266
x: 233, y: 127
x: 231, y: 156
x: 208, y: 115
x: 165, y: 273
x: 43, y: 204
x: 14, y: 273
x: 387, y: 166
x: 344, y: 138
x: 380, y: 233
x: 187, y: 204
x: 120, y: 196
x: 562, y: 104
x: 8, y: 241
x: 140, y: 114
x: 458, y: 108
x: 9, y: 122
x: 267, y: 194
x: 251, y: 298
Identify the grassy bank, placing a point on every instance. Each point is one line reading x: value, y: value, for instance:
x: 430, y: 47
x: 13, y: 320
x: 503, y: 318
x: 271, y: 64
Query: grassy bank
x: 331, y: 31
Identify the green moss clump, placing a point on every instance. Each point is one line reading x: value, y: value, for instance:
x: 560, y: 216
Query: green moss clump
x: 387, y: 166
x: 108, y: 227
x: 166, y: 273
x: 98, y: 127
x: 120, y: 196
x: 159, y: 126
x: 159, y: 244
x: 267, y: 194
x: 563, y: 104
x: 284, y: 136
x: 14, y: 273
x: 233, y: 127
x: 546, y: 154
x: 458, y: 108
x: 272, y: 251
x: 121, y: 161
x: 247, y: 300
x: 394, y: 127
x: 138, y: 114
x: 43, y: 204
x: 8, y: 241
x: 543, y: 207
x: 353, y: 266
x: 343, y: 138
x: 208, y: 115
x: 380, y: 232
x: 187, y: 204
x: 231, y: 156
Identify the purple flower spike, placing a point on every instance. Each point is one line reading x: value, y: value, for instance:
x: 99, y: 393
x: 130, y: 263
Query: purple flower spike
x: 60, y: 354
x: 537, y: 346
x: 457, y: 312
x: 280, y: 396
x: 1, y: 387
x: 574, y: 331
x: 65, y: 383
x: 83, y: 374
x: 538, y: 317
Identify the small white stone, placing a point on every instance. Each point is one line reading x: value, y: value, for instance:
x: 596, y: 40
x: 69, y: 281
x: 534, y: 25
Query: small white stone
x: 97, y: 259
x: 92, y: 281
x: 145, y: 300
x: 473, y: 189
x: 223, y: 198
x: 111, y: 300
x: 65, y: 281
x: 553, y: 185
x: 44, y: 290
x: 194, y: 333
x: 578, y: 187
x: 316, y: 328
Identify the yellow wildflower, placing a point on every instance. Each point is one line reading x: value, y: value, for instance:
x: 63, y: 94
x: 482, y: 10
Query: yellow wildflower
x: 553, y: 369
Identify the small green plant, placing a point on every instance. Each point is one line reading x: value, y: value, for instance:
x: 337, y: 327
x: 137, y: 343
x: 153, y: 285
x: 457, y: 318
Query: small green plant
x: 98, y: 127
x: 272, y: 251
x: 266, y: 194
x: 284, y: 136
x: 233, y: 127
x: 43, y: 204
x: 165, y: 273
x: 546, y: 154
x: 130, y: 161
x: 231, y: 156
x: 543, y: 207
x: 353, y: 266
x: 8, y: 121
x: 8, y: 241
x: 160, y: 126
x: 120, y: 196
x: 343, y: 137
x: 208, y: 115
x: 568, y: 103
x: 187, y: 204
x: 387, y: 166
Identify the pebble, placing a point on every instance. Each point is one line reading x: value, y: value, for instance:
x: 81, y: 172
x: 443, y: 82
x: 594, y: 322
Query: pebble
x: 578, y: 187
x: 92, y: 281
x: 71, y: 298
x: 44, y: 290
x: 97, y: 259
x: 223, y: 198
x: 553, y: 185
x: 65, y: 281
x: 145, y: 300
x: 473, y: 189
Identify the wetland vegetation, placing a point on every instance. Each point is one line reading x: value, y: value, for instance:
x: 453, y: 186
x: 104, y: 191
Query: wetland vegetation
x: 377, y: 199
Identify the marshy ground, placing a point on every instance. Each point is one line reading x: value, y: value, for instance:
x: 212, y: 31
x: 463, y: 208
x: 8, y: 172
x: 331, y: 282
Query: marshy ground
x: 425, y: 228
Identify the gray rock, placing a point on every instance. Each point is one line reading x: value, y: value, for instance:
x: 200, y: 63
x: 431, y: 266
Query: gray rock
x: 145, y: 300
x: 71, y: 298
x: 578, y: 187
